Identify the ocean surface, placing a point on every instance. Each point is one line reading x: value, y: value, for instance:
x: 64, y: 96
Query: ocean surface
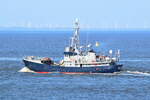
x: 133, y: 83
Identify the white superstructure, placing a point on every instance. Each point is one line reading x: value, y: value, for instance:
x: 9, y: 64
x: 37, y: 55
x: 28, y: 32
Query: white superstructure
x: 73, y: 56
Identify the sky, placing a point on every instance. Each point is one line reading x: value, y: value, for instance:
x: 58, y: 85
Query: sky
x: 61, y: 13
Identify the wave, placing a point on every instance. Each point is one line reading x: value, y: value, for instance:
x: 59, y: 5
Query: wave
x: 19, y: 59
x: 10, y: 59
x: 25, y: 69
x: 135, y: 60
x: 139, y: 73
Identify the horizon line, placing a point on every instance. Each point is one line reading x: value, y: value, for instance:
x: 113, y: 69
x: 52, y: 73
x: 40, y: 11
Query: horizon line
x: 68, y: 28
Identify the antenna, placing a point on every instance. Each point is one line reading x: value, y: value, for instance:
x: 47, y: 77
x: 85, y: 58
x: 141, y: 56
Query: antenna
x: 75, y: 39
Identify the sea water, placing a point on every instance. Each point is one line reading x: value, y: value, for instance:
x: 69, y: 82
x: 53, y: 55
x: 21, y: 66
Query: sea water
x: 132, y: 83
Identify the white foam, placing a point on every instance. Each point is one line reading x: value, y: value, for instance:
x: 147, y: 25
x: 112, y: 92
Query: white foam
x: 115, y: 73
x: 139, y: 73
x: 25, y: 69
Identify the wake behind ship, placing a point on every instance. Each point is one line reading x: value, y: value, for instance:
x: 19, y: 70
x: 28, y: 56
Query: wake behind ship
x: 77, y: 59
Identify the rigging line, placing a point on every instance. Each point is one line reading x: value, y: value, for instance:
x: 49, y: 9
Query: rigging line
x: 86, y: 40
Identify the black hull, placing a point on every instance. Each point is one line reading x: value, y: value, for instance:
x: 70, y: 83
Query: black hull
x: 44, y: 68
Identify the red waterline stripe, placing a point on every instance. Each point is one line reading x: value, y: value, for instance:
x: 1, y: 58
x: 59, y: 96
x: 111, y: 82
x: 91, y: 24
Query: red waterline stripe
x: 65, y: 72
x: 43, y: 72
x: 75, y: 72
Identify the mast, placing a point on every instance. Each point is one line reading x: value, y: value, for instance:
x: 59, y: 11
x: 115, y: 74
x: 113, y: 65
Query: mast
x: 75, y: 39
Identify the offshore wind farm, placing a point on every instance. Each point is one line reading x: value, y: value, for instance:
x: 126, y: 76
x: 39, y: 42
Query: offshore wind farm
x: 107, y: 26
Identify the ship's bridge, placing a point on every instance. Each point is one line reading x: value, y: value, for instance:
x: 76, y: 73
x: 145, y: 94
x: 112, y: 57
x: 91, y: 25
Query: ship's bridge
x: 70, y: 53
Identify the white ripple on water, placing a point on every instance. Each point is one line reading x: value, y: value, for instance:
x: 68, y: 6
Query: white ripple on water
x: 10, y: 59
x: 135, y: 60
x: 25, y: 69
x: 19, y: 59
x: 139, y: 73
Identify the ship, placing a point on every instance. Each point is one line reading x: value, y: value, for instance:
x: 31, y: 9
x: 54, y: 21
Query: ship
x: 77, y: 59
